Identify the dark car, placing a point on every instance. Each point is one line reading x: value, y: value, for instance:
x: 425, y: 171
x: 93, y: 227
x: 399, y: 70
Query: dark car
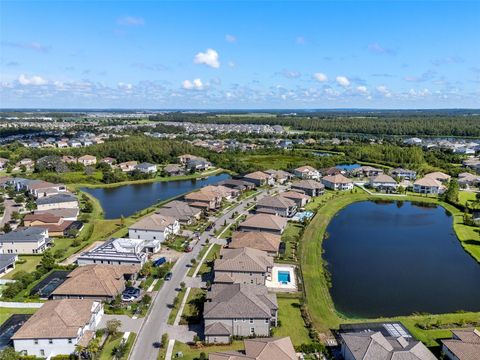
x: 130, y: 294
x: 168, y: 277
x: 160, y: 261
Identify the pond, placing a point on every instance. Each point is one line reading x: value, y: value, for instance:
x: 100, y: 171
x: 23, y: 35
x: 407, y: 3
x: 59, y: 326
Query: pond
x: 348, y: 167
x: 128, y: 199
x: 397, y: 258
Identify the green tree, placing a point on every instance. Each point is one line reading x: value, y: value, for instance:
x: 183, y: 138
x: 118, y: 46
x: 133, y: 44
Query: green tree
x: 9, y: 353
x: 31, y: 205
x: 48, y: 261
x: 7, y: 228
x: 113, y: 326
x: 19, y: 199
x: 451, y: 195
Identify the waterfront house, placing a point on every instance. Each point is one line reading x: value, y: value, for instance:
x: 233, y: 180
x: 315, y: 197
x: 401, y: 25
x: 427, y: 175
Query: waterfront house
x: 205, y: 200
x: 277, y: 205
x: 337, y: 182
x: 7, y: 262
x: 265, y: 223
x: 56, y: 225
x: 374, y: 345
x: 383, y: 182
x: 173, y: 170
x: 26, y: 240
x: 280, y: 176
x: 439, y: 176
x: 259, y: 178
x: 58, y: 201
x: 270, y: 243
x: 260, y: 349
x: 241, y: 185
x: 309, y: 187
x: 69, y: 159
x: 299, y: 198
x: 243, y: 265
x: 128, y: 166
x: 366, y: 171
x: 154, y: 227
x: 87, y: 160
x: 58, y: 327
x: 180, y: 210
x: 331, y: 171
x: 146, y: 168
x: 95, y: 281
x: 66, y: 214
x: 238, y: 310
x: 120, y: 251
x: 464, y: 345
x: 466, y: 179
x: 42, y: 188
x: 198, y: 164
x: 306, y: 172
x: 404, y: 174
x: 427, y: 185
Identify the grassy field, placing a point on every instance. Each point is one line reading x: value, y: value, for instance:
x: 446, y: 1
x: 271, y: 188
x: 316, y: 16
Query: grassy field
x: 291, y: 321
x: 465, y: 196
x: 291, y: 237
x: 6, y: 312
x: 31, y: 262
x: 318, y: 299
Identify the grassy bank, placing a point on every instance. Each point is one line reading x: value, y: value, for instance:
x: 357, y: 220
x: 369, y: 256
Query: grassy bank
x: 318, y: 300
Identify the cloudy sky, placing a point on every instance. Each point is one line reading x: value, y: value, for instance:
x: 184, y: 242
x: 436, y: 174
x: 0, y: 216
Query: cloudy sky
x: 233, y: 55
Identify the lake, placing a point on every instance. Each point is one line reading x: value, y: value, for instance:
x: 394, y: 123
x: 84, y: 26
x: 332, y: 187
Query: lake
x: 348, y: 167
x: 128, y: 199
x: 398, y: 258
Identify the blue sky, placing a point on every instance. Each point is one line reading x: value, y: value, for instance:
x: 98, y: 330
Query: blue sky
x: 178, y: 54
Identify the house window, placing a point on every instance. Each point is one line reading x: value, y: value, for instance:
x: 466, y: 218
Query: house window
x: 42, y: 352
x: 251, y: 321
x: 266, y: 321
x: 252, y: 330
x: 35, y: 341
x: 235, y: 320
x: 69, y: 341
x: 50, y: 341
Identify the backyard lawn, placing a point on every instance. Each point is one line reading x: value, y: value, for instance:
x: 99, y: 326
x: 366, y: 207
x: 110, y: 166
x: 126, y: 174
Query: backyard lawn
x: 30, y: 265
x: 6, y: 312
x: 291, y: 321
x: 464, y: 196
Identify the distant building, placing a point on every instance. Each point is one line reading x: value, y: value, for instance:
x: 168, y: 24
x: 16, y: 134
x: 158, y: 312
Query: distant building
x: 30, y: 240
x: 147, y: 168
x: 87, y: 160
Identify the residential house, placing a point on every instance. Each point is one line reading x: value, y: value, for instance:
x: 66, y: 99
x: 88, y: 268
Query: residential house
x: 309, y: 187
x: 97, y: 282
x: 146, y: 168
x: 264, y: 223
x: 180, y: 210
x: 374, y: 345
x: 307, y: 172
x: 331, y: 171
x: 69, y: 159
x: 367, y: 171
x: 42, y: 188
x: 205, y: 200
x: 238, y: 310
x: 109, y: 161
x: 404, y: 174
x: 466, y: 179
x: 383, y: 182
x: 62, y: 144
x: 243, y: 265
x: 128, y: 166
x: 427, y: 185
x: 277, y: 205
x: 464, y: 345
x: 173, y: 170
x: 58, y: 327
x: 74, y: 143
x: 260, y: 349
x: 29, y: 240
x: 120, y: 251
x: 221, y: 191
x: 264, y: 241
x: 198, y: 164
x: 154, y: 227
x: 259, y: 178
x: 280, y: 176
x: 241, y: 185
x: 337, y: 182
x: 56, y: 225
x: 185, y: 158
x: 66, y: 214
x: 28, y: 163
x: 439, y: 176
x: 299, y: 198
x: 59, y: 201
x: 87, y: 160
x: 7, y: 262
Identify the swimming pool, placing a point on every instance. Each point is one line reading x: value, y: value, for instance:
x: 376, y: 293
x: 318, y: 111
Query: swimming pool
x: 283, y: 277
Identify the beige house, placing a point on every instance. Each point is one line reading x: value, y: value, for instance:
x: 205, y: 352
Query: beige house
x: 439, y: 176
x: 264, y: 223
x: 270, y: 243
x: 206, y: 200
x: 277, y: 205
x: 306, y: 172
x: 464, y: 345
x: 279, y: 176
x: 128, y: 166
x: 337, y: 182
x: 98, y: 282
x: 299, y: 198
x: 154, y: 227
x: 309, y: 187
x: 59, y: 201
x: 29, y: 240
x: 260, y: 349
x: 87, y: 160
x: 243, y: 265
x: 427, y: 185
x: 259, y: 178
x: 180, y: 210
x: 55, y: 225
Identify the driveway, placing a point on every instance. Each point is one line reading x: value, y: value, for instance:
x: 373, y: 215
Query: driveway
x: 10, y: 207
x: 128, y: 324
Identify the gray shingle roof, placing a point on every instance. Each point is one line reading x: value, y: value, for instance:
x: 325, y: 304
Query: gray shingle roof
x: 55, y: 199
x: 29, y: 234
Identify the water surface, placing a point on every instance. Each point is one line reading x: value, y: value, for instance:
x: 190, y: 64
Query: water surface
x: 128, y: 199
x: 398, y: 258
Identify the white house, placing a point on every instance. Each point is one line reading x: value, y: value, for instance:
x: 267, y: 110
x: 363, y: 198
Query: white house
x: 58, y: 201
x: 306, y: 172
x: 337, y: 182
x: 147, y: 168
x: 154, y: 227
x: 427, y: 185
x: 383, y: 181
x: 58, y: 327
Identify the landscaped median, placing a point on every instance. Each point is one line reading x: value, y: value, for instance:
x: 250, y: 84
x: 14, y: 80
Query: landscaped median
x: 319, y: 304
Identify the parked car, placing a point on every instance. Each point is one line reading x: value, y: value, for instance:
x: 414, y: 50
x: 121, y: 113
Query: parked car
x: 168, y: 277
x: 130, y: 294
x: 188, y: 248
x: 160, y: 261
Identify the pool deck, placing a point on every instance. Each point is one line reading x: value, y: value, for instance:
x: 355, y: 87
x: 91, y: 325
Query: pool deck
x: 275, y: 285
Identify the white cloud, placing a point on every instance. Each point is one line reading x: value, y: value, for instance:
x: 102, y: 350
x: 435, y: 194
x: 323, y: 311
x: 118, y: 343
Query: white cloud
x: 362, y: 89
x: 321, y: 77
x: 131, y: 21
x: 290, y: 74
x: 382, y: 89
x: 124, y: 86
x: 343, y: 81
x: 209, y: 58
x: 196, y: 84
x: 230, y: 38
x: 33, y: 80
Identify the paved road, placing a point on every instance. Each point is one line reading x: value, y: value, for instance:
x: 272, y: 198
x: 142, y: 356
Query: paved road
x: 156, y: 322
x: 10, y: 207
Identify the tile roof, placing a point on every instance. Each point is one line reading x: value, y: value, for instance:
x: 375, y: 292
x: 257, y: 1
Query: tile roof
x: 427, y: 181
x: 55, y: 199
x: 308, y: 184
x: 437, y: 175
x: 337, y: 179
x: 257, y: 175
x: 260, y: 349
x: 276, y: 202
x: 57, y: 319
x: 305, y: 168
x: 243, y: 260
x: 153, y: 222
x: 465, y: 345
x: 265, y: 221
x: 383, y: 178
x: 255, y: 239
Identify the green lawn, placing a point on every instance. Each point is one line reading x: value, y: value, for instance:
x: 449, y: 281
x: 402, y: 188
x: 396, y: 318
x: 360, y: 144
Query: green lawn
x: 291, y: 237
x: 31, y: 262
x: 106, y: 353
x: 192, y: 352
x: 465, y: 196
x: 207, y: 265
x: 6, y: 312
x: 176, y: 307
x: 192, y: 313
x: 291, y: 321
x: 319, y: 302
